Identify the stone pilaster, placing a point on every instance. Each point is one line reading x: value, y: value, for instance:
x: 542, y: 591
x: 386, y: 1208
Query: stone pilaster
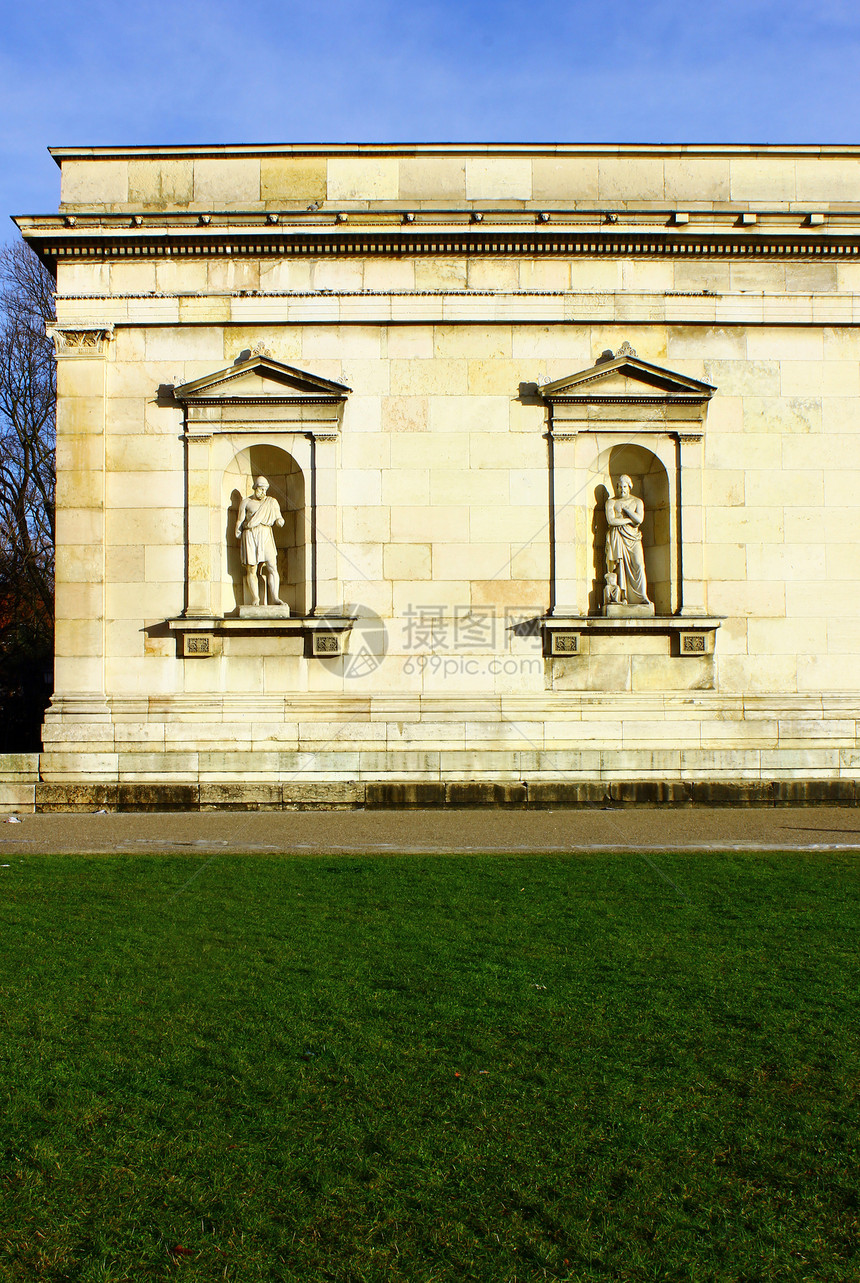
x: 79, y: 666
x: 567, y: 553
x: 689, y: 470
x: 325, y: 591
x: 200, y: 513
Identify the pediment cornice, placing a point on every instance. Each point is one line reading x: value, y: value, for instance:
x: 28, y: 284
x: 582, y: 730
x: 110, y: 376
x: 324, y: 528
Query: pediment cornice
x: 624, y: 378
x: 260, y: 380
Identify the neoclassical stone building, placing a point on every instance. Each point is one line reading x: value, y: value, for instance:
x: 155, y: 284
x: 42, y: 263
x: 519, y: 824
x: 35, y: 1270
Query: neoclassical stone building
x: 557, y: 453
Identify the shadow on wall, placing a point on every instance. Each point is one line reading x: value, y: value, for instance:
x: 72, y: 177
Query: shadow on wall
x: 651, y: 484
x: 287, y: 485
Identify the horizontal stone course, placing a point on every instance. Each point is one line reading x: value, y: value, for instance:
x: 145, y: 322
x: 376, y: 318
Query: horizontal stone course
x: 424, y: 794
x: 19, y: 768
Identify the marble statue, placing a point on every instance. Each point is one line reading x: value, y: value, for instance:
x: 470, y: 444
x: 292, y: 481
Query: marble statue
x: 258, y: 514
x: 625, y: 560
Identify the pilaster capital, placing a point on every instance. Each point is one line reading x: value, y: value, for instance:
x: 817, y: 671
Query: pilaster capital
x: 81, y: 341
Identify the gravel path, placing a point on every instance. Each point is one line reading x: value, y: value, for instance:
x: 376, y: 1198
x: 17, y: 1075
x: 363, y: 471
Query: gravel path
x: 515, y: 831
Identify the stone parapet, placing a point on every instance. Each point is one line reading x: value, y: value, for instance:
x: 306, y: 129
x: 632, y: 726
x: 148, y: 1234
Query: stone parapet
x: 418, y: 176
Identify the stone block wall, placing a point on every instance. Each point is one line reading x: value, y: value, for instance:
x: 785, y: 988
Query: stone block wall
x: 437, y: 530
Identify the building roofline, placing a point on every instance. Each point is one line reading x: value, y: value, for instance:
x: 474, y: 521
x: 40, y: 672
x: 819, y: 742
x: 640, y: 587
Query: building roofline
x: 456, y: 148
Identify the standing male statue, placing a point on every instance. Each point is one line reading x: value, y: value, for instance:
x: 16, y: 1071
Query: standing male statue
x: 257, y: 515
x: 625, y: 561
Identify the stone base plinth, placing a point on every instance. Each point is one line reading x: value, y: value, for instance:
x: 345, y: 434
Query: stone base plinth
x: 629, y: 612
x: 264, y: 612
x: 269, y: 751
x: 400, y: 794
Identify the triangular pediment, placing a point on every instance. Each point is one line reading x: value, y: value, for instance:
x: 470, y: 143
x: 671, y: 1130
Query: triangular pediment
x: 626, y: 377
x: 260, y: 378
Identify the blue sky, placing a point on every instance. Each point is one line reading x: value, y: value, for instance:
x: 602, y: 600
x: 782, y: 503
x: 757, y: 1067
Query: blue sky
x: 386, y: 70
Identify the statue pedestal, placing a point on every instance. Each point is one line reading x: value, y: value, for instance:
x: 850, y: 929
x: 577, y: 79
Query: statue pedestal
x: 629, y: 612
x: 266, y: 612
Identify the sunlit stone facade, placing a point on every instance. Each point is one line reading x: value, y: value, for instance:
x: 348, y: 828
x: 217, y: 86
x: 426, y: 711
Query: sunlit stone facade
x: 442, y: 361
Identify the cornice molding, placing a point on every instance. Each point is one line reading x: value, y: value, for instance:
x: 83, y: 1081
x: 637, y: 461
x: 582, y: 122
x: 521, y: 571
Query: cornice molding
x: 550, y: 219
x: 805, y: 150
x: 668, y: 399
x: 203, y: 402
x: 113, y: 238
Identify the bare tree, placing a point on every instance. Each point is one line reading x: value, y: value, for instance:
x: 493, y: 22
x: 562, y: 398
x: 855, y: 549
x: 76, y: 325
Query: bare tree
x: 27, y: 482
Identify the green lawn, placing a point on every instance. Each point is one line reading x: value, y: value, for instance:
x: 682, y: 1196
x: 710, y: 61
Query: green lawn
x: 429, y: 1068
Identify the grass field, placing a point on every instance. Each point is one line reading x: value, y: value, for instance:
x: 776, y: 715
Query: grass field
x: 430, y: 1068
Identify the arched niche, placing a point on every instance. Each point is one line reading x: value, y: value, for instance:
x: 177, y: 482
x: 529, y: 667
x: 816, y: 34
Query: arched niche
x: 253, y: 407
x: 651, y: 484
x: 624, y: 414
x: 286, y: 485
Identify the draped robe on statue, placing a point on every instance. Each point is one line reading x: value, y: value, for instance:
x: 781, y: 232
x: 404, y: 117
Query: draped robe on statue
x: 624, y: 551
x: 258, y: 542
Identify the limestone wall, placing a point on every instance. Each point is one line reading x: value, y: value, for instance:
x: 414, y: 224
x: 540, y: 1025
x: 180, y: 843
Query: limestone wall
x: 440, y: 535
x: 443, y: 472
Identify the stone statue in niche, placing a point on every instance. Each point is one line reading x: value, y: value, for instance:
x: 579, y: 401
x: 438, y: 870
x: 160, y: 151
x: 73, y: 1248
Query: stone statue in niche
x: 258, y: 515
x: 626, y: 591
